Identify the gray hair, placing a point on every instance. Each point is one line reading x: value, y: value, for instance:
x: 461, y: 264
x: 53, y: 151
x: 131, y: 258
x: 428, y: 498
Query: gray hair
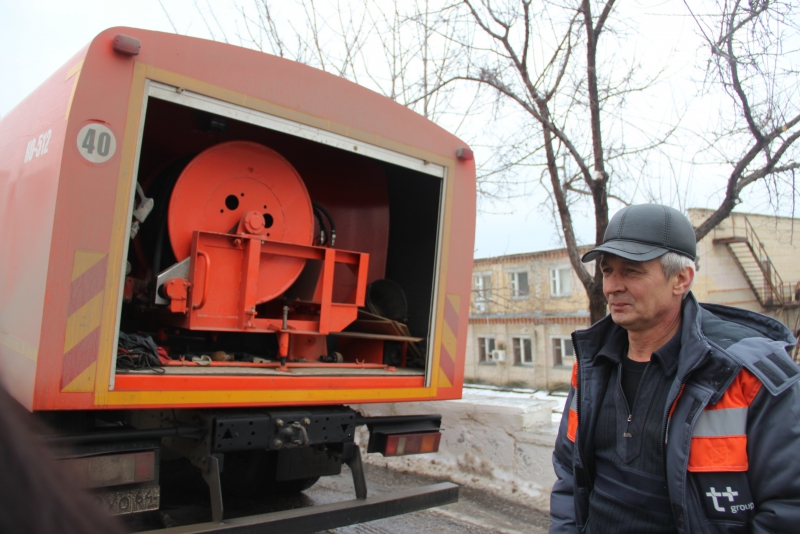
x: 673, y: 263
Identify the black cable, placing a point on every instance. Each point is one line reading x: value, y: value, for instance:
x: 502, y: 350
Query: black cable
x: 330, y: 220
x: 323, y: 234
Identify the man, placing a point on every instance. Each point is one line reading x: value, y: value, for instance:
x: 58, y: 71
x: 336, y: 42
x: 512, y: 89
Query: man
x: 681, y: 417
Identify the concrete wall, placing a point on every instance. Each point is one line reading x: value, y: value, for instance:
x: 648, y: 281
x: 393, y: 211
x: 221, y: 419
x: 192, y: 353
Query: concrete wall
x: 500, y: 445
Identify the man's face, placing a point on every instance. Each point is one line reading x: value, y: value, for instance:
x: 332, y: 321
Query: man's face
x: 639, y: 296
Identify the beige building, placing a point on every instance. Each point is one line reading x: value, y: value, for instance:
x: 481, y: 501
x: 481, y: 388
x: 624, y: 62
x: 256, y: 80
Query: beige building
x: 525, y: 306
x: 752, y: 262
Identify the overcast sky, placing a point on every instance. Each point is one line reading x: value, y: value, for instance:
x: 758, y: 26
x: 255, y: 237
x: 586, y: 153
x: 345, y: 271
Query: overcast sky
x: 38, y: 36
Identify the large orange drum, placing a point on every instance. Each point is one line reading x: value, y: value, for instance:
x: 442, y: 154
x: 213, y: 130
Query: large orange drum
x: 229, y: 180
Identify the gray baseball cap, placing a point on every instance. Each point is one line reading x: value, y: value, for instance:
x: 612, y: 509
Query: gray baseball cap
x: 645, y: 232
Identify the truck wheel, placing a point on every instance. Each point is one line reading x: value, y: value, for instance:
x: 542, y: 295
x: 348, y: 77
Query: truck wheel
x: 253, y: 472
x: 246, y: 472
x: 296, y: 486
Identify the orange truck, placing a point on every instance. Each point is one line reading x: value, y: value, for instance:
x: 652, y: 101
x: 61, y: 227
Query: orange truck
x: 211, y: 252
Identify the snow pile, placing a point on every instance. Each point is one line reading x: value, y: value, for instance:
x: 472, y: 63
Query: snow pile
x: 498, y: 441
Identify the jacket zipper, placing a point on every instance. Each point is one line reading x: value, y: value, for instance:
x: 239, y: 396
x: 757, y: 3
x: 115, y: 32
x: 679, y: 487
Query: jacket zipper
x: 671, y: 402
x: 627, y: 433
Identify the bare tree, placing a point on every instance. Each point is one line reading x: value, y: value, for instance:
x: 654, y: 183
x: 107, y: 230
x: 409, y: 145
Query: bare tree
x: 390, y: 47
x: 564, y: 94
x: 559, y: 64
x: 753, y: 57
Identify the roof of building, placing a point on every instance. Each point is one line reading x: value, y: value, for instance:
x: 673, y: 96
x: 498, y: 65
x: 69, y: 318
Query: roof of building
x: 527, y: 256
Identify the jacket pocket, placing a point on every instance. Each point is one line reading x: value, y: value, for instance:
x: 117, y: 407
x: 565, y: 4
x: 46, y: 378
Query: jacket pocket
x: 724, y: 500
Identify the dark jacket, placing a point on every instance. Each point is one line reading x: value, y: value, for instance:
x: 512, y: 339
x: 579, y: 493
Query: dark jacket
x: 731, y: 425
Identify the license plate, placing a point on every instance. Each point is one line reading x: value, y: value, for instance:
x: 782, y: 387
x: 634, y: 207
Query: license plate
x: 131, y: 500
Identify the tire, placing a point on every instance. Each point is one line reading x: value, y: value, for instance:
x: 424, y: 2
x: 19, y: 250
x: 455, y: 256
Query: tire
x: 295, y: 486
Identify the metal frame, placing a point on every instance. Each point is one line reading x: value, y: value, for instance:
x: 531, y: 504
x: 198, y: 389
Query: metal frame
x: 190, y: 99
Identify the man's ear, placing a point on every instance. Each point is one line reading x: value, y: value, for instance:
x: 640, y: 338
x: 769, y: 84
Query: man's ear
x: 683, y: 281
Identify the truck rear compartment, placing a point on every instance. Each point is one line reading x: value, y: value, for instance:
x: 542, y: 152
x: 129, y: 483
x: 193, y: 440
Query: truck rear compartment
x: 390, y: 210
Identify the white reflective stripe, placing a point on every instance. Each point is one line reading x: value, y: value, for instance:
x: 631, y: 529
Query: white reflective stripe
x: 573, y: 405
x: 727, y: 422
x: 666, y: 434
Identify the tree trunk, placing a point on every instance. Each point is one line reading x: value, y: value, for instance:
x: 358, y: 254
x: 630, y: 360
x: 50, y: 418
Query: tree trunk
x: 597, y: 302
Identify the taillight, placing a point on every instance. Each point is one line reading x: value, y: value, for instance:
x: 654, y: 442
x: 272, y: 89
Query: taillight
x: 417, y: 443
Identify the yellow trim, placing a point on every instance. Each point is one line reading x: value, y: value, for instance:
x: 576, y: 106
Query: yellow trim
x: 83, y: 322
x: 84, y: 260
x: 449, y: 341
x: 74, y: 71
x: 455, y: 301
x: 119, y: 398
x: 119, y: 225
x: 84, y: 382
x: 20, y: 347
x: 443, y: 267
x: 443, y: 381
x: 104, y: 397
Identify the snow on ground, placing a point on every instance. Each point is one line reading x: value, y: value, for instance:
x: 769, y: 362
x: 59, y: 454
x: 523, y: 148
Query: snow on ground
x: 494, y: 439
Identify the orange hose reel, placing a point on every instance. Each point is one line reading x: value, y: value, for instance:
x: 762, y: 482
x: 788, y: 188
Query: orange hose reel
x: 241, y: 185
x: 242, y: 215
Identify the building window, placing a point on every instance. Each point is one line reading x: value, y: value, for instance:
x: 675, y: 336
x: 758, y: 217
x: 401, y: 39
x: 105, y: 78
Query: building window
x: 563, y: 351
x: 482, y: 284
x: 518, y: 281
x: 485, y: 348
x: 561, y: 282
x: 522, y: 350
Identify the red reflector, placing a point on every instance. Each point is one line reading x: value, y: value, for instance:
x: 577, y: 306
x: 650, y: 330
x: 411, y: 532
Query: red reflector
x: 419, y: 443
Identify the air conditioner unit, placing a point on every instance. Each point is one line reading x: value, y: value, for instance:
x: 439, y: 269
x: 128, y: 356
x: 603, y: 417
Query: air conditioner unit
x: 498, y: 355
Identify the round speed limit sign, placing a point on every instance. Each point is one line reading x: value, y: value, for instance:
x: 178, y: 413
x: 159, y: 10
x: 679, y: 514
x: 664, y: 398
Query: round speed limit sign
x: 96, y: 142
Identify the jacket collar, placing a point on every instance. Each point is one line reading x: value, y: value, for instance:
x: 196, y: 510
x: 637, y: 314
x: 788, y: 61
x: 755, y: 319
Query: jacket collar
x: 666, y: 356
x: 693, y: 345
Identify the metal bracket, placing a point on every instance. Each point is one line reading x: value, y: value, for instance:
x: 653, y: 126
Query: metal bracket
x: 178, y: 270
x: 351, y: 455
x: 211, y: 476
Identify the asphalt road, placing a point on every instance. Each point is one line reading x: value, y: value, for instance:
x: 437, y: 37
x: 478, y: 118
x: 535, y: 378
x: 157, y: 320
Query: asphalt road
x: 476, y: 512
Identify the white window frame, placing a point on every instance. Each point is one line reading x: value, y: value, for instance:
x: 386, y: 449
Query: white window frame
x: 513, y: 284
x: 525, y: 358
x: 559, y: 360
x: 487, y: 350
x: 556, y: 281
x: 483, y: 295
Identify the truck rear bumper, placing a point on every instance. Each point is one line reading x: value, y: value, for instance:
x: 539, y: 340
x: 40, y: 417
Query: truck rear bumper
x: 329, y: 516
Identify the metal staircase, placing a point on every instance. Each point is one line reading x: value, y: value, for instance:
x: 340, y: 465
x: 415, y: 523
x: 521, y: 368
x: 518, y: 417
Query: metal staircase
x: 754, y: 262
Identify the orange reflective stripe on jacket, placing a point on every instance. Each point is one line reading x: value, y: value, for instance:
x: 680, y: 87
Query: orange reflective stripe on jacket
x: 719, y: 438
x: 572, y: 421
